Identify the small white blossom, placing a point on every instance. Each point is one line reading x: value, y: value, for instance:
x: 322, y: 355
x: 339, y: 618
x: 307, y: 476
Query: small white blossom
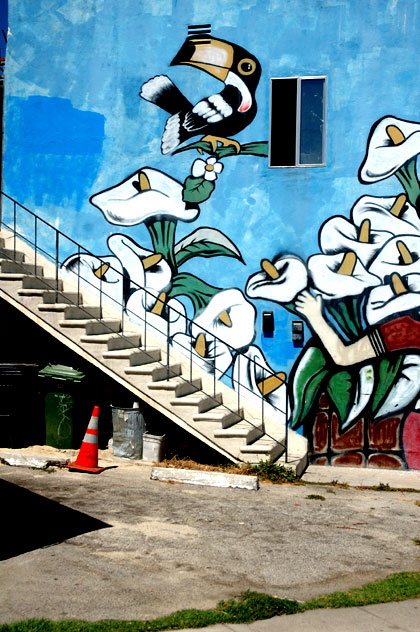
x: 207, y: 169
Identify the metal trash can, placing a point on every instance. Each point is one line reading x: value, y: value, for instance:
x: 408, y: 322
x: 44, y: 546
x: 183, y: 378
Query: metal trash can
x: 127, y: 432
x: 60, y: 404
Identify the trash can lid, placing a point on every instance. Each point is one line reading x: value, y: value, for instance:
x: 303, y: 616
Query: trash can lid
x: 61, y: 372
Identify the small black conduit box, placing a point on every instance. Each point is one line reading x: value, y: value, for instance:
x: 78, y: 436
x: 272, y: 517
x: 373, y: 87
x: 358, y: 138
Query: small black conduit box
x: 268, y: 324
x: 297, y: 333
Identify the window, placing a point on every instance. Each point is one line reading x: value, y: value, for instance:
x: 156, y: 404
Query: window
x: 297, y: 131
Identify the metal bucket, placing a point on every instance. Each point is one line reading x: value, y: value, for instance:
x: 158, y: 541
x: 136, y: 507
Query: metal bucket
x: 153, y: 447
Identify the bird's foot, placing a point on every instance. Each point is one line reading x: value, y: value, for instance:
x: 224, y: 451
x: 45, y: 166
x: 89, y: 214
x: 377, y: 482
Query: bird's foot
x: 225, y: 142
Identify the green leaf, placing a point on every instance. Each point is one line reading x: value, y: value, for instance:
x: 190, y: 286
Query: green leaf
x: 387, y: 371
x: 205, y: 242
x: 197, y: 190
x: 340, y: 388
x: 198, y: 291
x: 259, y: 148
x: 307, y: 382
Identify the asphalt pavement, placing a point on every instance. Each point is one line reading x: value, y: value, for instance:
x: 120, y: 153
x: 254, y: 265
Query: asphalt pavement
x: 119, y: 545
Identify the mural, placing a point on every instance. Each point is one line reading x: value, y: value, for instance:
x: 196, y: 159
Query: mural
x: 354, y: 389
x: 147, y: 282
x: 361, y: 298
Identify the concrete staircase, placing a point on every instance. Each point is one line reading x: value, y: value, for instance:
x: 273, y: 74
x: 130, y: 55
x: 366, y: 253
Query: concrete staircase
x: 181, y: 391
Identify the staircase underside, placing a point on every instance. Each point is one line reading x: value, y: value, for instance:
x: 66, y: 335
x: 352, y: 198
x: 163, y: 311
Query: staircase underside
x: 174, y: 386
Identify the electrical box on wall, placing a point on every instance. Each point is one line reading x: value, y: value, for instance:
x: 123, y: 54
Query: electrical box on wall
x: 297, y: 333
x: 268, y: 324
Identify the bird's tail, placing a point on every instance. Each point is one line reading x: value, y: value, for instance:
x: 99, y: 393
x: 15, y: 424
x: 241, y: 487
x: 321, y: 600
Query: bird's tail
x: 161, y: 91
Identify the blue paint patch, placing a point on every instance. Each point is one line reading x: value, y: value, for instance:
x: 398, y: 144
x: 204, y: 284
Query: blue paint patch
x: 56, y: 155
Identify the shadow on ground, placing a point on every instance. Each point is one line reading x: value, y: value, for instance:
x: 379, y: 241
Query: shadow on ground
x: 30, y: 521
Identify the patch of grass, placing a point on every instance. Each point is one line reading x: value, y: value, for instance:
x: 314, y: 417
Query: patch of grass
x: 417, y: 502
x: 249, y: 607
x: 416, y: 541
x: 265, y: 470
x: 396, y: 587
x: 315, y: 497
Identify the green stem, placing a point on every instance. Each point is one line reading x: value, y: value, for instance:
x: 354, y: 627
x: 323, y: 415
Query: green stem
x: 162, y: 234
x: 407, y: 175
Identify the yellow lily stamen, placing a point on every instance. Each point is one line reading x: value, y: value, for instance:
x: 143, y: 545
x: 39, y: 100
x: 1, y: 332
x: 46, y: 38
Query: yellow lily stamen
x: 271, y: 383
x: 159, y: 305
x: 398, y: 205
x: 144, y: 182
x: 200, y: 345
x: 348, y: 264
x: 101, y: 271
x: 397, y: 284
x: 151, y: 260
x: 269, y: 269
x: 395, y: 134
x: 404, y: 253
x: 364, y: 231
x: 225, y: 318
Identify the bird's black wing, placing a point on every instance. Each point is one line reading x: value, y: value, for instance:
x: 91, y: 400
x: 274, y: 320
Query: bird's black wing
x: 213, y: 109
x: 164, y: 93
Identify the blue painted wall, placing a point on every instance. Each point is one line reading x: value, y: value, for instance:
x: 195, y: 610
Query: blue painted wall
x: 75, y: 124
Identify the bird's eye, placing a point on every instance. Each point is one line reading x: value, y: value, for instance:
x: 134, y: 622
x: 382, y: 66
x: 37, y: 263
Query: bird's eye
x: 247, y: 66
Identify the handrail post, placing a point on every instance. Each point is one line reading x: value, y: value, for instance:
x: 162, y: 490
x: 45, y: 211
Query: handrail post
x: 167, y: 343
x: 57, y: 256
x: 35, y: 239
x: 14, y: 229
x: 286, y: 441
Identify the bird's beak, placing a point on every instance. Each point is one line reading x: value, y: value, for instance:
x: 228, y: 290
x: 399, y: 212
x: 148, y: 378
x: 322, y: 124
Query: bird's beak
x: 207, y: 53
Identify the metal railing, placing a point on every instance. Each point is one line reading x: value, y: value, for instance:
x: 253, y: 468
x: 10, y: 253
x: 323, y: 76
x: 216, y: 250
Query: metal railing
x: 56, y: 247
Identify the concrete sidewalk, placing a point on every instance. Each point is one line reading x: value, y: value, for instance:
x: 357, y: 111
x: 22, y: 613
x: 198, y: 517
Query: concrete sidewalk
x: 363, y: 477
x: 401, y: 616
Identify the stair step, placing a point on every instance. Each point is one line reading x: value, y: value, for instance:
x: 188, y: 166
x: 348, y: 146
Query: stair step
x: 51, y: 297
x: 105, y: 339
x: 156, y: 370
x: 51, y: 307
x: 34, y: 283
x: 2, y: 242
x: 178, y: 386
x: 14, y: 255
x: 30, y: 292
x: 242, y: 430
x: 202, y: 401
x: 221, y: 414
x: 93, y: 327
x: 265, y: 447
x: 11, y: 276
x: 126, y: 341
x: 106, y: 325
x: 145, y: 356
x: 21, y: 268
x: 75, y: 312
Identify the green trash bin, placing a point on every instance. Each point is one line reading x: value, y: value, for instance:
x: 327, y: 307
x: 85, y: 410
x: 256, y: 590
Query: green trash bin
x: 60, y: 404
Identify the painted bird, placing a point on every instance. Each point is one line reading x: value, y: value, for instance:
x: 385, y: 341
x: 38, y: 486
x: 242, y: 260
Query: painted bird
x: 219, y: 115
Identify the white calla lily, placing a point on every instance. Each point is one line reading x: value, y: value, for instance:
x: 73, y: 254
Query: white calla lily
x: 392, y: 143
x: 211, y: 355
x: 392, y: 300
x: 144, y: 195
x: 333, y: 279
x: 338, y: 235
x: 400, y: 254
x: 98, y: 274
x: 256, y: 381
x: 229, y: 317
x: 364, y: 390
x: 163, y: 318
x: 146, y: 270
x: 388, y: 216
x: 405, y: 390
x: 279, y: 281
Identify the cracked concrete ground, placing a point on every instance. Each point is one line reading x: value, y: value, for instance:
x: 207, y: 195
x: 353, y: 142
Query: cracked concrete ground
x: 119, y: 545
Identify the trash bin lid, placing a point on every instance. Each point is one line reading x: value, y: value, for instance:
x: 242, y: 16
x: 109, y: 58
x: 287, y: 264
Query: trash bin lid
x: 61, y: 372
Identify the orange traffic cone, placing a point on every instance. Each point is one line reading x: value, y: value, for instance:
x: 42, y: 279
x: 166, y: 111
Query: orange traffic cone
x: 87, y: 459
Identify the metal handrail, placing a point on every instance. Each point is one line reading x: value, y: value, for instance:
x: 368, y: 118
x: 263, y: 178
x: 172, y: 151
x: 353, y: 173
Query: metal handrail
x: 55, y: 259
